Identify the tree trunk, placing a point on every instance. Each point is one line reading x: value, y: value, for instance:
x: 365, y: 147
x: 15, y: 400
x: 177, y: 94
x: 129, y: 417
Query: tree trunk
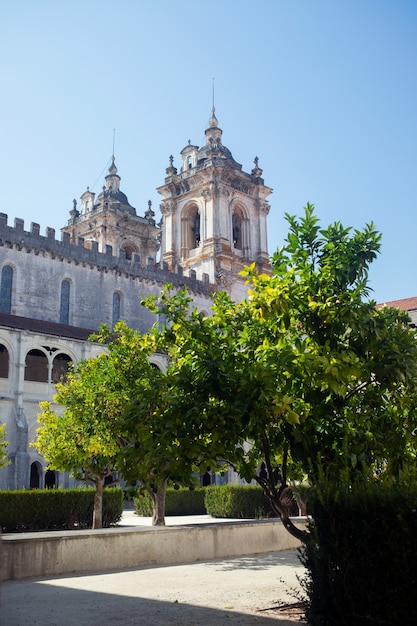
x: 98, y: 504
x: 158, y: 500
x: 274, y: 495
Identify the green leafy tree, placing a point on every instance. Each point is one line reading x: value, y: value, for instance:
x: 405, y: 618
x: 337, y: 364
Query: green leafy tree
x: 160, y: 443
x: 117, y: 415
x: 306, y: 371
x: 147, y: 446
x: 85, y: 436
x: 3, y: 445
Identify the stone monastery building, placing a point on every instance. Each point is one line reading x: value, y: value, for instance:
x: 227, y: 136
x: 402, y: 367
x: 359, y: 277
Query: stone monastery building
x: 55, y: 292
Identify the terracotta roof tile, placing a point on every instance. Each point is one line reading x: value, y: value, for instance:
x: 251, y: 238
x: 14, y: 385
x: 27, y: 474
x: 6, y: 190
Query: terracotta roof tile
x: 407, y: 304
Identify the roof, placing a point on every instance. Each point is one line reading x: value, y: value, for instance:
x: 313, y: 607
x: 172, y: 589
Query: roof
x: 406, y: 304
x: 45, y: 327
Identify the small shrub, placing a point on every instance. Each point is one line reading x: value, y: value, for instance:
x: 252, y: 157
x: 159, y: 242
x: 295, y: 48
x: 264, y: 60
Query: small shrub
x: 178, y: 502
x: 143, y: 504
x: 236, y: 501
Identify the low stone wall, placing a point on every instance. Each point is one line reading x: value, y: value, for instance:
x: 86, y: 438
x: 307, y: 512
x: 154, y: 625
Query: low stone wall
x: 51, y: 553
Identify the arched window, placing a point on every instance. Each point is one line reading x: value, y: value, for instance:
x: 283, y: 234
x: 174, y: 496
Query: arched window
x: 60, y: 368
x: 35, y: 475
x: 262, y: 471
x: 190, y: 230
x: 116, y: 308
x: 206, y: 479
x: 4, y: 362
x: 240, y: 229
x: 237, y: 230
x: 64, y: 302
x: 129, y: 250
x: 36, y: 366
x: 6, y: 289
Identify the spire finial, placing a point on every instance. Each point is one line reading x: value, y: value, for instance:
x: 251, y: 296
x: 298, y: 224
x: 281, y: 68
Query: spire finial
x: 213, y: 120
x: 114, y: 140
x: 149, y: 214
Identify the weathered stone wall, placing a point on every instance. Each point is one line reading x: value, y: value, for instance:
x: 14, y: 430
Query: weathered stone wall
x: 53, y: 553
x: 41, y: 263
x: 20, y: 399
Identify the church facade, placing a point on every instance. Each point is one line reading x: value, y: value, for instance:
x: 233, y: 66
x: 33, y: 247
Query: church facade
x: 56, y: 291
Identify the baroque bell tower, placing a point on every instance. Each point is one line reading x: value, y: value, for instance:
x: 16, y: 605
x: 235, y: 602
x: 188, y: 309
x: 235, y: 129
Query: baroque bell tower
x: 109, y: 220
x: 214, y: 214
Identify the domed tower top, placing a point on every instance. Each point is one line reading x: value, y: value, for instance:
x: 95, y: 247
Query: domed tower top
x: 111, y: 194
x: 213, y: 132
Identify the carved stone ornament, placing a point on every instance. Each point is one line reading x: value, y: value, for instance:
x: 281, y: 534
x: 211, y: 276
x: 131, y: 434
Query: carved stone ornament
x: 206, y: 193
x: 167, y: 207
x: 264, y: 208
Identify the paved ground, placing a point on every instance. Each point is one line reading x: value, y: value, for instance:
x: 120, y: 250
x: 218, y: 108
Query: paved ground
x: 241, y: 591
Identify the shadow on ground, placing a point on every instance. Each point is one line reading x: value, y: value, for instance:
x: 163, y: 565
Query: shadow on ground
x: 245, y: 591
x: 58, y: 606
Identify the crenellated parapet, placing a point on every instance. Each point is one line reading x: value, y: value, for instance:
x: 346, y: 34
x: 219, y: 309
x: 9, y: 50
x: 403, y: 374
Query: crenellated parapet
x: 32, y: 242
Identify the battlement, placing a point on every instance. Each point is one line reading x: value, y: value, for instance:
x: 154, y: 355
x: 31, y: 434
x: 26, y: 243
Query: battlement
x: 32, y: 241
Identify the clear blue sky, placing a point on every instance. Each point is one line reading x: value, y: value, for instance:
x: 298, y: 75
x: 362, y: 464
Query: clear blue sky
x: 322, y: 91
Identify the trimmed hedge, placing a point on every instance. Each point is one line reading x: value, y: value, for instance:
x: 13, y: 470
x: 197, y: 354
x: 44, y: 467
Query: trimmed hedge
x: 228, y: 501
x: 56, y: 509
x: 178, y: 502
x: 362, y: 565
x: 236, y: 501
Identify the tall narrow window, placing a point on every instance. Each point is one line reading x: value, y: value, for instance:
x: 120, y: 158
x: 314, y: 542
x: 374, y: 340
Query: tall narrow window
x: 237, y: 231
x: 190, y: 230
x: 65, y: 300
x: 6, y: 289
x: 4, y: 362
x: 116, y: 308
x: 35, y: 475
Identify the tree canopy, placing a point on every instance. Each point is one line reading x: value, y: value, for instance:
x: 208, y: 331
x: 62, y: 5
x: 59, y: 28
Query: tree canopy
x: 85, y: 435
x: 117, y: 415
x: 306, y: 370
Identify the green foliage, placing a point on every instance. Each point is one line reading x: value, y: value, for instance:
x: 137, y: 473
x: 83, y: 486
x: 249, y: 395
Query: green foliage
x: 143, y: 504
x: 236, y: 502
x: 87, y: 435
x: 56, y: 509
x: 361, y: 566
x: 307, y: 369
x: 178, y: 502
x: 307, y: 372
x: 3, y: 446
